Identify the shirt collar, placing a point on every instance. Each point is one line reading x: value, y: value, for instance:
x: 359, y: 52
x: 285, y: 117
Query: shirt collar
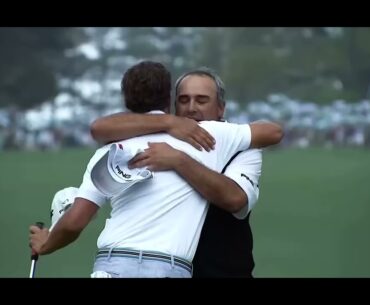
x: 155, y: 112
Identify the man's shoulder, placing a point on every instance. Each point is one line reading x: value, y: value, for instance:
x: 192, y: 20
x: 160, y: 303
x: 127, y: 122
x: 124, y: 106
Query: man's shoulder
x: 102, y: 150
x: 248, y: 154
x: 221, y: 126
x: 216, y: 123
x: 99, y: 153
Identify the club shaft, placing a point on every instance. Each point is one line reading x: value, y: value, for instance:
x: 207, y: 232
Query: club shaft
x: 32, y: 271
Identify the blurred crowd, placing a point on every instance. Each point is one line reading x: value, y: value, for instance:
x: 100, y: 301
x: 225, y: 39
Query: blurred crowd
x: 339, y: 124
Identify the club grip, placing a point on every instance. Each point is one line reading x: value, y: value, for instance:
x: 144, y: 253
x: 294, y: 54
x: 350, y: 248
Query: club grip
x: 35, y: 256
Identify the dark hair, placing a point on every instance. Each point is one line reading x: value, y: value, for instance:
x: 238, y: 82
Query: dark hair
x: 146, y: 86
x: 205, y: 71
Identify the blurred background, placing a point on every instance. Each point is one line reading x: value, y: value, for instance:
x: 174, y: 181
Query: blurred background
x: 312, y: 216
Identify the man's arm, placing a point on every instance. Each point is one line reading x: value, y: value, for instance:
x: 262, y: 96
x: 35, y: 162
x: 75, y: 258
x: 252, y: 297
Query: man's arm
x: 265, y: 134
x: 67, y: 229
x: 216, y: 188
x: 245, y: 170
x: 122, y: 126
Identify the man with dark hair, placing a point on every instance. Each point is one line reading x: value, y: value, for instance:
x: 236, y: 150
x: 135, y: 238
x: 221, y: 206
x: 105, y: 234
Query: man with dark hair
x: 155, y: 224
x: 157, y: 85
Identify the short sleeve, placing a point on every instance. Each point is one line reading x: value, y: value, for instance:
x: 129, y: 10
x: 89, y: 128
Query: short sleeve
x: 245, y: 170
x: 87, y: 189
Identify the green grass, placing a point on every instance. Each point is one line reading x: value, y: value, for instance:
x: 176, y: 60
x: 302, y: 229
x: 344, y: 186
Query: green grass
x: 311, y: 219
x: 28, y: 182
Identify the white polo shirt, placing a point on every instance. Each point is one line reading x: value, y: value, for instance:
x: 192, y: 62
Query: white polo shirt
x: 245, y: 170
x: 164, y: 214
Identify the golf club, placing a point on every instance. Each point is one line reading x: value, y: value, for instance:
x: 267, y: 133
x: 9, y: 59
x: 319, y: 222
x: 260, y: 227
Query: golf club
x: 34, y: 257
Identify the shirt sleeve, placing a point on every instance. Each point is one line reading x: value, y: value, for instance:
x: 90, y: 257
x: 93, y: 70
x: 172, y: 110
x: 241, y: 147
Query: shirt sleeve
x: 230, y: 139
x: 87, y: 189
x: 245, y: 170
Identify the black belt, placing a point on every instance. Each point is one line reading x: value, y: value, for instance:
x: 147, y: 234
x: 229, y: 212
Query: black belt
x: 147, y: 255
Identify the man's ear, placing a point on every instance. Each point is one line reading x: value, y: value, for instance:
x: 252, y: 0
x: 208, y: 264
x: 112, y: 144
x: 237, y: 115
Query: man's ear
x: 220, y: 111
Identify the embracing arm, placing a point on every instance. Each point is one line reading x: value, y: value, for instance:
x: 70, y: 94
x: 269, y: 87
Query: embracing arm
x: 216, y: 188
x: 265, y: 134
x: 67, y: 229
x: 122, y: 126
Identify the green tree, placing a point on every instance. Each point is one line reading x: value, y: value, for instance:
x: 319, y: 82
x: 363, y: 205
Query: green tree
x: 31, y: 60
x: 317, y: 64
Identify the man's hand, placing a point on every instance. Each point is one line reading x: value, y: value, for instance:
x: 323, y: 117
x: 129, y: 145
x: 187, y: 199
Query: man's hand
x: 188, y: 130
x: 38, y: 238
x: 158, y: 157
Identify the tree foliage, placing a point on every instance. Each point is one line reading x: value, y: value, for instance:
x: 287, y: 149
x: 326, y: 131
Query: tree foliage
x: 31, y: 59
x: 317, y: 64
